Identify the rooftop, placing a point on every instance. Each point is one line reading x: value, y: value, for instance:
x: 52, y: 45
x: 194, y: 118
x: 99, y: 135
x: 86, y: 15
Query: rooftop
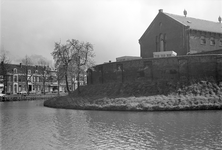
x: 198, y: 24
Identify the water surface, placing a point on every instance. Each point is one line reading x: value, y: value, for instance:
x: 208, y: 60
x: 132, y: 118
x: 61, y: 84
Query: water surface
x: 28, y: 125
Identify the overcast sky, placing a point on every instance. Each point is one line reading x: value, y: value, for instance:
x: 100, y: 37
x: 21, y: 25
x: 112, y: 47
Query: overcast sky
x: 31, y: 27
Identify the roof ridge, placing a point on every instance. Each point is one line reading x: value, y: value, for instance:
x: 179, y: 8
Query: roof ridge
x: 190, y: 18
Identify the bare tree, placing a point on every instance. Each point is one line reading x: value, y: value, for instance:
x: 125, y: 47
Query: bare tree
x: 73, y: 56
x: 4, y: 59
x: 59, y: 76
x: 62, y: 57
x: 43, y: 62
x: 82, y: 54
x: 27, y: 62
x: 45, y: 75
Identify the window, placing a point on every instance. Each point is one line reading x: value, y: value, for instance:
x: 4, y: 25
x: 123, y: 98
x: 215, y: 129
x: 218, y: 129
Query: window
x: 202, y: 40
x: 20, y: 87
x: 220, y: 42
x: 160, y: 25
x: 15, y: 70
x: 19, y: 79
x: 15, y: 78
x: 9, y: 78
x: 29, y: 71
x: 36, y: 71
x: 119, y: 67
x: 212, y: 41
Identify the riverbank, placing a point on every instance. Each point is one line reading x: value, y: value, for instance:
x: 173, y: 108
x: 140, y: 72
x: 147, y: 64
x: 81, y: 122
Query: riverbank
x: 135, y: 97
x: 30, y: 97
x: 150, y: 103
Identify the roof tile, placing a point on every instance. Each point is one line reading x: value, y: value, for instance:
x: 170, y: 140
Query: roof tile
x: 198, y: 24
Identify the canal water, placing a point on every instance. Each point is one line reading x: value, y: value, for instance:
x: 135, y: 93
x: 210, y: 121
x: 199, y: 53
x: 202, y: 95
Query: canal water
x: 28, y: 125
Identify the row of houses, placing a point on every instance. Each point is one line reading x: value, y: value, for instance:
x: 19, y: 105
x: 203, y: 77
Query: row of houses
x: 15, y: 78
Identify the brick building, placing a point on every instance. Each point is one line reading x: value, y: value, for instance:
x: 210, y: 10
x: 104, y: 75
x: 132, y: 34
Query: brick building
x: 181, y: 34
x: 15, y: 77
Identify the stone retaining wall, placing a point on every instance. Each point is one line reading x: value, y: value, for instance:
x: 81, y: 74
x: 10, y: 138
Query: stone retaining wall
x: 173, y: 69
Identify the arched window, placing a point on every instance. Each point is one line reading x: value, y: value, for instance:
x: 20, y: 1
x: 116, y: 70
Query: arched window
x: 162, y: 42
x: 15, y: 70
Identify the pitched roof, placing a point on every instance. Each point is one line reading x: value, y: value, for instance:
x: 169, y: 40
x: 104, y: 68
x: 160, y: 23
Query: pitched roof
x: 22, y: 68
x: 198, y: 24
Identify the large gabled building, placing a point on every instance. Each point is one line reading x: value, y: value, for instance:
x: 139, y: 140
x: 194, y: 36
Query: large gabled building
x: 181, y: 34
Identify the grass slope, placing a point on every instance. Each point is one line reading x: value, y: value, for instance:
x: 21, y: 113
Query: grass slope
x: 142, y: 96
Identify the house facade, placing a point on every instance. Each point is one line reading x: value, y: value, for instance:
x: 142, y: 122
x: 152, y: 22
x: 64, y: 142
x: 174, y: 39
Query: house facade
x: 18, y: 77
x: 181, y: 34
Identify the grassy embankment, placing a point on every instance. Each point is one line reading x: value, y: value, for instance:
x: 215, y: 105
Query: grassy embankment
x: 142, y: 96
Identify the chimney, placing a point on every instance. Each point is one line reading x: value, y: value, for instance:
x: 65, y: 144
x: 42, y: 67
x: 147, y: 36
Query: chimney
x: 160, y: 10
x: 185, y: 13
x: 20, y: 65
x: 219, y: 19
x: 109, y: 61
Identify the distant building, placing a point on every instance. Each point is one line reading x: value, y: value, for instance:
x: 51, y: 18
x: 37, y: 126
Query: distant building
x: 125, y: 58
x: 16, y: 76
x: 1, y: 87
x: 181, y: 34
x: 164, y: 54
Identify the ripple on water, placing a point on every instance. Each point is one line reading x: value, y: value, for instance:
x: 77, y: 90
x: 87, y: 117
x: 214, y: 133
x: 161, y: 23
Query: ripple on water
x: 29, y: 125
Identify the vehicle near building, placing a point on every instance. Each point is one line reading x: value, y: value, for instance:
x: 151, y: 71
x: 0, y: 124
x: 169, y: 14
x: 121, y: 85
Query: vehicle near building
x: 2, y: 95
x: 22, y: 93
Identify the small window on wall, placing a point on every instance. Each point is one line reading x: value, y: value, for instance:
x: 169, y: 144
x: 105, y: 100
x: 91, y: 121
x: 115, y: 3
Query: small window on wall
x: 15, y: 70
x: 119, y: 67
x: 212, y: 41
x: 220, y: 42
x: 202, y: 40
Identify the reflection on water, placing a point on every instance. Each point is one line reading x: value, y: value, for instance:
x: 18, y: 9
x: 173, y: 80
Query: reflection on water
x: 29, y: 125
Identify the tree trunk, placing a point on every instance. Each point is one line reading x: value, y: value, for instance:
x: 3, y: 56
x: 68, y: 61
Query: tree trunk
x: 58, y: 87
x: 78, y: 84
x: 67, y: 83
x: 78, y: 76
x: 44, y: 85
x: 5, y: 81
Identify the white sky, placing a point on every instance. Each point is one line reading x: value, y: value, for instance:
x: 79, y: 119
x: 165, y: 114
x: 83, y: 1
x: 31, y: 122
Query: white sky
x: 31, y: 27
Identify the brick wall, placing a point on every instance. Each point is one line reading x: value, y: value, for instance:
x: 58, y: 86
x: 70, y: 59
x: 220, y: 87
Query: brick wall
x: 197, y: 46
x: 182, y: 68
x: 176, y: 37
